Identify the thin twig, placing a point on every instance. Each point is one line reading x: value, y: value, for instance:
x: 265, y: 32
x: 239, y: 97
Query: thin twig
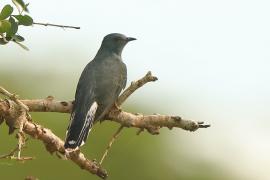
x: 14, y: 98
x: 12, y: 152
x: 134, y: 86
x: 116, y: 134
x: 57, y: 25
x: 21, y: 141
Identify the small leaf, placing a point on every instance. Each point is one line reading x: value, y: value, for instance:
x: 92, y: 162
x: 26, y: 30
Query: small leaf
x: 24, y: 20
x: 5, y: 26
x: 14, y: 27
x: 21, y: 4
x: 18, y: 38
x: 6, y: 12
x: 22, y: 46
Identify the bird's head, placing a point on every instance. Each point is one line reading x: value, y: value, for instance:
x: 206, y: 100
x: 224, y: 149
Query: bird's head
x: 115, y: 42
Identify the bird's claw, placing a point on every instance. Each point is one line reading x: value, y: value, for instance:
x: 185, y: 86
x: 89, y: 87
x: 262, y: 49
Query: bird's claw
x: 116, y: 106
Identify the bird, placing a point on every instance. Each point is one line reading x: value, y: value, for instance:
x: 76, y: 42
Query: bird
x: 98, y: 88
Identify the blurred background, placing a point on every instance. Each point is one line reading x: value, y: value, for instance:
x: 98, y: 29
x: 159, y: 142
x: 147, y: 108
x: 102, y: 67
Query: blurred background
x: 212, y: 61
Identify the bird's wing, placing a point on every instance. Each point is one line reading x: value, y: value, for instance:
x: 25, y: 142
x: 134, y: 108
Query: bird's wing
x: 124, y: 76
x: 84, y: 109
x: 117, y: 84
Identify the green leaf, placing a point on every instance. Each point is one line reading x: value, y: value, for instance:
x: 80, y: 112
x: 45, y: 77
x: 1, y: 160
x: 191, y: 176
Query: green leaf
x: 22, y: 46
x: 18, y: 38
x: 21, y: 4
x: 6, y: 12
x: 14, y: 27
x: 24, y: 20
x: 5, y: 26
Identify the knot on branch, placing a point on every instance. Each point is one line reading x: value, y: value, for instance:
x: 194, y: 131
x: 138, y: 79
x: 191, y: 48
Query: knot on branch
x: 154, y: 130
x: 10, y: 114
x: 14, y: 115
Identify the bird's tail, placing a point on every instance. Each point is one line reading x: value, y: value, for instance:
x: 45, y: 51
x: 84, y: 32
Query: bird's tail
x: 79, y: 127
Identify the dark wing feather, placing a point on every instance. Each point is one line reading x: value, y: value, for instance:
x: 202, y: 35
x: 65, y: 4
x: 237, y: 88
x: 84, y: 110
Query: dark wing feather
x: 116, y: 82
x: 101, y: 83
x: 124, y: 76
x: 82, y: 116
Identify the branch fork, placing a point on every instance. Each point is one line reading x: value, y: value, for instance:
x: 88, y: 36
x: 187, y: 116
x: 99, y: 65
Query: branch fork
x: 16, y: 114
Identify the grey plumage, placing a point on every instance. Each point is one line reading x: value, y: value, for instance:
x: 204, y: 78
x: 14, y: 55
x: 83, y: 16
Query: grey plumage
x: 100, y: 84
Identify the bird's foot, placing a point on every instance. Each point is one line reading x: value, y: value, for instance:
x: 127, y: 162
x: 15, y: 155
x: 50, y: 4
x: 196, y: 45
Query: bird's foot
x: 70, y: 151
x: 116, y: 106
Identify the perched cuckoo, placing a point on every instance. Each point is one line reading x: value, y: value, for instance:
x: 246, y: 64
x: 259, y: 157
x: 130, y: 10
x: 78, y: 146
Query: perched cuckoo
x: 99, y: 86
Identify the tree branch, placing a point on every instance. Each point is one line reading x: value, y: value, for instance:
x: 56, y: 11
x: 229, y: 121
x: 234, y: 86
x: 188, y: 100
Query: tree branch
x: 134, y: 86
x: 8, y: 109
x: 56, y: 25
x: 55, y: 144
x: 152, y: 123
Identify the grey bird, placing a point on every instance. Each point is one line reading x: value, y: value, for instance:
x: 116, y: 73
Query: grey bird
x: 99, y: 86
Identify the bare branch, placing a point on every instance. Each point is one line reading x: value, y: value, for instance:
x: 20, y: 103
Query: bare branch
x: 19, y: 121
x: 13, y: 97
x: 55, y: 144
x: 116, y: 134
x: 10, y: 154
x: 134, y: 86
x: 152, y: 122
x: 48, y: 105
x: 12, y: 111
x: 56, y: 25
x: 125, y: 118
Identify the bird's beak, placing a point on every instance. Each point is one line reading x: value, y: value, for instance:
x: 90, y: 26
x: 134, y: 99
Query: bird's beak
x: 130, y: 39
